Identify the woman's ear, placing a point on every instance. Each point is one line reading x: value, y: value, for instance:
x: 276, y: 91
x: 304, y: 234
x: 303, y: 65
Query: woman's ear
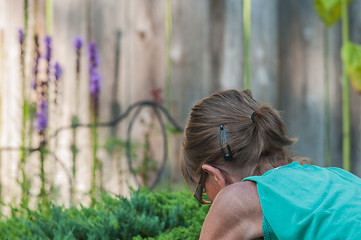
x: 218, y: 176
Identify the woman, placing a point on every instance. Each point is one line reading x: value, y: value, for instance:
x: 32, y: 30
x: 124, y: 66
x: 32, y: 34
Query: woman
x: 234, y: 151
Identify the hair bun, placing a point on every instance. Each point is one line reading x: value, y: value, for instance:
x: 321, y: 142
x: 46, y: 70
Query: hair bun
x: 271, y: 128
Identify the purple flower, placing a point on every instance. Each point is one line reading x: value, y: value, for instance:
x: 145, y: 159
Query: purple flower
x: 33, y: 84
x: 42, y: 116
x: 78, y: 43
x: 94, y: 75
x: 93, y: 55
x: 95, y: 83
x: 48, y: 49
x: 57, y: 71
x: 21, y: 36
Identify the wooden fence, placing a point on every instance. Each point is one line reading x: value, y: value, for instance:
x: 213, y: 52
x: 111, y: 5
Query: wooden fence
x: 201, y: 52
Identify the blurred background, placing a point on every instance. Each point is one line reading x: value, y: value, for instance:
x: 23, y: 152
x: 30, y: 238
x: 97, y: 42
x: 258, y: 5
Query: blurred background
x: 95, y: 93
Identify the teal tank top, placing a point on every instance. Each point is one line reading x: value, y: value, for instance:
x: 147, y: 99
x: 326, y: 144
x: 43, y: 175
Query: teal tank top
x: 309, y: 202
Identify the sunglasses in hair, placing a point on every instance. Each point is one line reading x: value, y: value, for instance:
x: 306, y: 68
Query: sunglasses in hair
x: 227, y: 156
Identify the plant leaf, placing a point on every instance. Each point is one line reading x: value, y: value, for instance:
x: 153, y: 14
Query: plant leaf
x: 351, y: 56
x: 329, y: 10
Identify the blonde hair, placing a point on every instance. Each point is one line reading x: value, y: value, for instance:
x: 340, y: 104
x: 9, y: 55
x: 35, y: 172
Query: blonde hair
x: 256, y: 136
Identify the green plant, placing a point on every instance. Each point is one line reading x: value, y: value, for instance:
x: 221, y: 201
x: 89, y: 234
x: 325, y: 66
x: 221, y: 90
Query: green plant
x: 329, y: 10
x: 25, y: 117
x: 94, y: 87
x: 246, y: 43
x: 78, y: 44
x: 49, y: 16
x: 146, y: 215
x: 346, y: 125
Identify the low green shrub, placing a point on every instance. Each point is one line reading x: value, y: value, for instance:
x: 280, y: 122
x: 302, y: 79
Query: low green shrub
x: 146, y: 215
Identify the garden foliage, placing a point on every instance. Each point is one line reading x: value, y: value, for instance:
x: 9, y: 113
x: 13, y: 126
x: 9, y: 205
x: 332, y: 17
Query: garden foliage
x: 329, y: 10
x: 351, y: 56
x: 146, y: 215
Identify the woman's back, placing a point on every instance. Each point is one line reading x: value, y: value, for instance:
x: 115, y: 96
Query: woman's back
x: 235, y: 214
x: 310, y: 202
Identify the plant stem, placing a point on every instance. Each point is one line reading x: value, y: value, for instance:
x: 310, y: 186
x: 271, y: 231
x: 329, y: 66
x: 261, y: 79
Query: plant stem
x: 93, y: 190
x: 26, y: 16
x: 75, y: 121
x: 246, y: 43
x: 74, y: 151
x: 326, y: 100
x: 43, y: 195
x: 2, y: 58
x: 345, y: 94
x: 144, y: 169
x: 24, y: 188
x: 49, y: 16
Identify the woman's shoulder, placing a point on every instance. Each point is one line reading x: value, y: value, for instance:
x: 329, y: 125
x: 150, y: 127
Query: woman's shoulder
x: 235, y: 213
x: 244, y: 190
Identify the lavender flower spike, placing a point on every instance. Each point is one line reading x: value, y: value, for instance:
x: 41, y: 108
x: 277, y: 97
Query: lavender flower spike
x: 48, y: 49
x: 33, y: 84
x: 95, y: 83
x: 57, y: 71
x: 42, y: 116
x: 93, y: 55
x: 95, y: 76
x: 21, y: 36
x: 78, y: 43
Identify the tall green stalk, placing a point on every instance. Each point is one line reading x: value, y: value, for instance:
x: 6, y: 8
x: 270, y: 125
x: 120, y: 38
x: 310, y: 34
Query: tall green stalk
x: 168, y: 38
x: 23, y: 145
x: 78, y: 43
x: 25, y: 117
x: 43, y: 196
x: 35, y: 46
x: 246, y: 43
x: 345, y: 94
x: 2, y: 57
x: 23, y: 155
x: 26, y: 15
x: 43, y: 146
x: 326, y: 100
x: 94, y: 185
x: 74, y: 151
x: 95, y: 86
x: 49, y: 16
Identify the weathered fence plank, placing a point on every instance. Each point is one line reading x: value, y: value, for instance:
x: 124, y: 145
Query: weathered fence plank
x: 232, y: 48
x: 303, y: 105
x: 335, y: 68
x: 11, y: 98
x: 265, y: 49
x: 190, y: 55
